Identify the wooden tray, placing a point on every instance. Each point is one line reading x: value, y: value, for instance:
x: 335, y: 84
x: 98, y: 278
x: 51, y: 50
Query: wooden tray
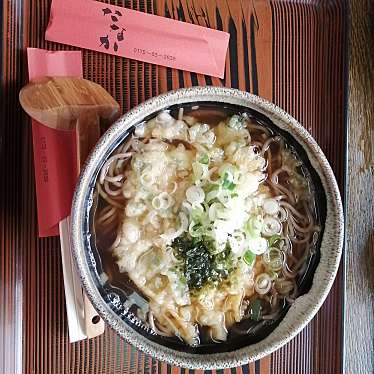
x: 290, y: 52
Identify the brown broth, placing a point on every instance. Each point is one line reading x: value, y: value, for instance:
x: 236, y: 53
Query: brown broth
x: 211, y: 115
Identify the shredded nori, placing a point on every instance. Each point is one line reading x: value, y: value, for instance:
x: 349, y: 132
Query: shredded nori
x: 201, y: 267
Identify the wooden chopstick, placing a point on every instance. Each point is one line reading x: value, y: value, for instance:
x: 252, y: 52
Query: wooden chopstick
x: 83, y: 320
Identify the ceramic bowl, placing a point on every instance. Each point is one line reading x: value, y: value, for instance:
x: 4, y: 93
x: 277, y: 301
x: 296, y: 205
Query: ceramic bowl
x: 111, y: 302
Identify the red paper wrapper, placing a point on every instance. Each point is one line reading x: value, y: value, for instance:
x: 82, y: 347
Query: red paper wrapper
x: 54, y: 151
x: 137, y: 35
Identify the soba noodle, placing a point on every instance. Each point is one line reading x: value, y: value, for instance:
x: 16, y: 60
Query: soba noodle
x: 214, y: 223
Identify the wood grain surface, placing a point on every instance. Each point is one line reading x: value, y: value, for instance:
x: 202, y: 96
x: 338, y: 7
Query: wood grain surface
x: 359, y: 316
x: 290, y: 52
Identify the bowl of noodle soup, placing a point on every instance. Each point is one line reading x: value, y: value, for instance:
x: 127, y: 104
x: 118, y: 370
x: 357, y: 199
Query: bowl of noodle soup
x: 207, y: 227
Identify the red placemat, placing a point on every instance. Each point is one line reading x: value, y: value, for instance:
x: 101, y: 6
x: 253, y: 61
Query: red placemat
x: 290, y: 52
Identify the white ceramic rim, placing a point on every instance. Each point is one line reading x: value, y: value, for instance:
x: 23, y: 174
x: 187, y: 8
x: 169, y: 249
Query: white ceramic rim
x: 304, y: 308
